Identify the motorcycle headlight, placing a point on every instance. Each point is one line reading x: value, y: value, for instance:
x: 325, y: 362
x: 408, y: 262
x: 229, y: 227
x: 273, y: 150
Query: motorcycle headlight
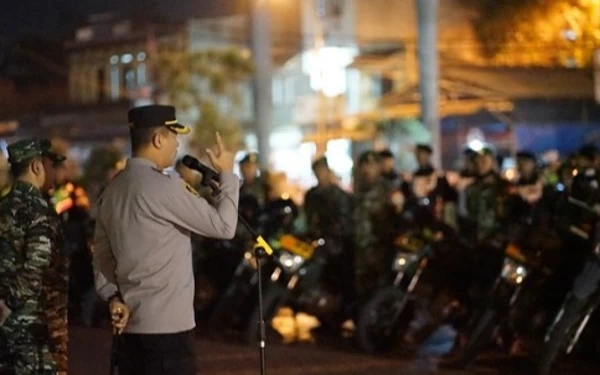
x: 513, y: 271
x: 290, y: 262
x: 403, y: 261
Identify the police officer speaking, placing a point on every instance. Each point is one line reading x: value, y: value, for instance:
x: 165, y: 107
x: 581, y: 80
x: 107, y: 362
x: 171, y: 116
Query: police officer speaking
x: 143, y: 252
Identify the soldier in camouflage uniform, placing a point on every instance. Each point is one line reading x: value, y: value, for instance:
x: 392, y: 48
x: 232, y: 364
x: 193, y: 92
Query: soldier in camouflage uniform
x: 388, y: 170
x: 328, y: 208
x: 374, y: 212
x: 328, y: 211
x: 253, y: 184
x: 33, y: 269
x: 486, y: 201
x: 486, y: 198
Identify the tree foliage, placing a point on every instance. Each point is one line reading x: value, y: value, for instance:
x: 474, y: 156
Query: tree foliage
x: 538, y: 32
x: 99, y: 167
x: 208, y: 84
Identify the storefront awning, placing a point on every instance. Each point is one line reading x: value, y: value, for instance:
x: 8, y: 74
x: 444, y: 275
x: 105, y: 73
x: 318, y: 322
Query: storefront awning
x: 340, y: 133
x: 456, y: 99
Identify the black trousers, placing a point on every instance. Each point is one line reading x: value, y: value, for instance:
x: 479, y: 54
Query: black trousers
x: 157, y: 354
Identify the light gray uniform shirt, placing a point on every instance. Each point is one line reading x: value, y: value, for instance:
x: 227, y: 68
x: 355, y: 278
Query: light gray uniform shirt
x: 142, y: 243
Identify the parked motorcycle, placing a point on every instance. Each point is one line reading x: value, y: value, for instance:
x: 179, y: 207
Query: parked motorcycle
x: 524, y: 270
x: 299, y: 281
x: 569, y: 324
x: 387, y: 312
x: 240, y: 296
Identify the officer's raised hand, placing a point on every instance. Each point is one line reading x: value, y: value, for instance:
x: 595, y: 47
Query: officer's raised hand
x: 221, y: 158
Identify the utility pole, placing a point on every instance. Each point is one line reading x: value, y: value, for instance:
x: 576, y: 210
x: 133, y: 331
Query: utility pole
x: 261, y: 54
x: 322, y: 109
x: 429, y: 73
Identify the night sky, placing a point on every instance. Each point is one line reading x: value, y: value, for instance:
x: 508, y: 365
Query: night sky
x: 56, y: 18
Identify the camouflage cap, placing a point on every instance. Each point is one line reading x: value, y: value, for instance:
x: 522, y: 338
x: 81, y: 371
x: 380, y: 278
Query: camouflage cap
x: 26, y: 149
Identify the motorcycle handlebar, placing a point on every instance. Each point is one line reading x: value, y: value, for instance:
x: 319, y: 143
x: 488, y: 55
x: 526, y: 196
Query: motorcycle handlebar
x: 584, y: 205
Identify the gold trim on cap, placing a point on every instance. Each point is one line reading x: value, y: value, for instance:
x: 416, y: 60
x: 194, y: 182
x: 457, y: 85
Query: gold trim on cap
x: 180, y: 130
x: 172, y: 122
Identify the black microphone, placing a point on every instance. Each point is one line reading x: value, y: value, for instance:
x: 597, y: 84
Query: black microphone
x: 210, y: 177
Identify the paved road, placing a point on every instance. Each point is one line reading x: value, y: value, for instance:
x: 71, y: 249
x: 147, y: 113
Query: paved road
x: 90, y: 356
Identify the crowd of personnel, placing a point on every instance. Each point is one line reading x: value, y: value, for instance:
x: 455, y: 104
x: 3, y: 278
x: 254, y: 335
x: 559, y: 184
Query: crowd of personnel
x: 480, y: 205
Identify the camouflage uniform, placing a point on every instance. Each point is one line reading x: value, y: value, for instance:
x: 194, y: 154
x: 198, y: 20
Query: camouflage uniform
x: 255, y: 188
x: 374, y: 229
x: 486, y: 205
x: 329, y: 215
x: 328, y: 212
x: 33, y: 276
